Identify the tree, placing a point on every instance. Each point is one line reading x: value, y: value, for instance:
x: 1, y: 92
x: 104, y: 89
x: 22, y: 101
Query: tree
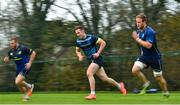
x: 31, y: 28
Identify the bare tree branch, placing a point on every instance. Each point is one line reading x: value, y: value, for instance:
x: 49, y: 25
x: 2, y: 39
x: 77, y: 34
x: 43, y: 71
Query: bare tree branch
x: 83, y: 13
x: 69, y: 11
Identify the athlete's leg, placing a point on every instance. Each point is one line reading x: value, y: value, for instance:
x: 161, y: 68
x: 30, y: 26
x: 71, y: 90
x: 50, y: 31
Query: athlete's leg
x: 92, y: 69
x: 23, y: 86
x: 18, y: 81
x: 136, y: 70
x: 103, y: 76
x: 162, y: 82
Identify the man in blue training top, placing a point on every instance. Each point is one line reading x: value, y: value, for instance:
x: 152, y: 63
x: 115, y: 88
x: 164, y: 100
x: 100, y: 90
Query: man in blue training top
x: 88, y: 44
x: 150, y: 55
x: 23, y: 58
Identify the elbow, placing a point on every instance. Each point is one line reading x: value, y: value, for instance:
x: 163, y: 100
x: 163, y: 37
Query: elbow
x: 149, y: 46
x: 78, y: 53
x: 104, y: 43
x: 34, y: 53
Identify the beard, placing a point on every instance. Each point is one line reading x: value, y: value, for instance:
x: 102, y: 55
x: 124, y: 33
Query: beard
x: 141, y: 27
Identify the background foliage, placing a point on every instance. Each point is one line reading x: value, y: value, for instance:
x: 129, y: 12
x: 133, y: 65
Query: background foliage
x: 56, y: 67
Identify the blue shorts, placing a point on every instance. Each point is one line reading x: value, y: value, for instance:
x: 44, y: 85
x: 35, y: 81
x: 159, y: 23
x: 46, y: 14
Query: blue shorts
x: 23, y: 72
x: 155, y: 63
x: 99, y: 61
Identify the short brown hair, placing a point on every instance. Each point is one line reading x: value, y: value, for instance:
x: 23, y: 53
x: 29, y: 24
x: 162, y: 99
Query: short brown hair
x: 142, y: 16
x: 14, y: 38
x: 79, y: 27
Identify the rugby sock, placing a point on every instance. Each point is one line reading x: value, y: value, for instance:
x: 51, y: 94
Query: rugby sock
x: 165, y: 92
x: 28, y: 85
x: 119, y: 86
x: 93, y: 92
x: 146, y: 84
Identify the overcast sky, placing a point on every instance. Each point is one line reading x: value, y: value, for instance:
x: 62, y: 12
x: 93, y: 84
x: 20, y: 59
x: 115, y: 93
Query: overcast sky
x: 56, y: 12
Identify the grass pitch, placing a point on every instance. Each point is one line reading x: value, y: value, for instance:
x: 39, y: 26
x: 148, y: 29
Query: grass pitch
x: 78, y: 98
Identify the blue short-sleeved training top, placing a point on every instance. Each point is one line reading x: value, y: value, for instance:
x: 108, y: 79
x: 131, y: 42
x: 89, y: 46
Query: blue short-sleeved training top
x: 20, y: 56
x: 148, y: 34
x: 88, y: 45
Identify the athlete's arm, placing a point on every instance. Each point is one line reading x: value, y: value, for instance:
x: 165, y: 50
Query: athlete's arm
x: 32, y: 57
x: 102, y: 45
x: 145, y: 44
x: 79, y: 54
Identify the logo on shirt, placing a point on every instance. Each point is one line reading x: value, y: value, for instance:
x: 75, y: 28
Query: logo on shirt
x: 142, y: 35
x: 19, y: 52
x: 11, y: 54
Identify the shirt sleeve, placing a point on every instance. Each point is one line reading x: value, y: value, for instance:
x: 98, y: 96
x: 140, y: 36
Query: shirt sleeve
x: 77, y: 45
x: 150, y: 36
x: 94, y: 39
x: 10, y: 57
x: 27, y: 50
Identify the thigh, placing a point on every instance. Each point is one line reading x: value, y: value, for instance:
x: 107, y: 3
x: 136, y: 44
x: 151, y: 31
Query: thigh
x: 20, y: 78
x: 101, y: 73
x: 92, y: 69
x: 138, y: 65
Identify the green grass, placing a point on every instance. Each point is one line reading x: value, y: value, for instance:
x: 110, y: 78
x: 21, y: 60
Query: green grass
x: 78, y: 98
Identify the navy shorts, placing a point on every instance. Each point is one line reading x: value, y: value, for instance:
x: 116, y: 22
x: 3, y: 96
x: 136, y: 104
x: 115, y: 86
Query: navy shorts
x: 155, y: 63
x: 98, y: 61
x: 23, y: 72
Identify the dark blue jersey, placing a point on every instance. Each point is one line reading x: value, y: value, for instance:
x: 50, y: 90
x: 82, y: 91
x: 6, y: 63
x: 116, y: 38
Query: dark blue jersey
x: 149, y: 35
x: 20, y: 56
x: 88, y: 45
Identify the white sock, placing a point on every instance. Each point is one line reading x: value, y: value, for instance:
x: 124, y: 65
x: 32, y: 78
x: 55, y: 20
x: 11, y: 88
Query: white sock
x: 146, y: 84
x: 93, y: 92
x: 26, y: 96
x: 28, y: 85
x: 166, y: 92
x: 119, y: 86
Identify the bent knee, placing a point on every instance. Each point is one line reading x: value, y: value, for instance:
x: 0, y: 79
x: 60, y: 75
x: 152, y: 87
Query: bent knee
x: 137, y: 67
x: 17, y: 82
x: 135, y: 70
x: 88, y: 74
